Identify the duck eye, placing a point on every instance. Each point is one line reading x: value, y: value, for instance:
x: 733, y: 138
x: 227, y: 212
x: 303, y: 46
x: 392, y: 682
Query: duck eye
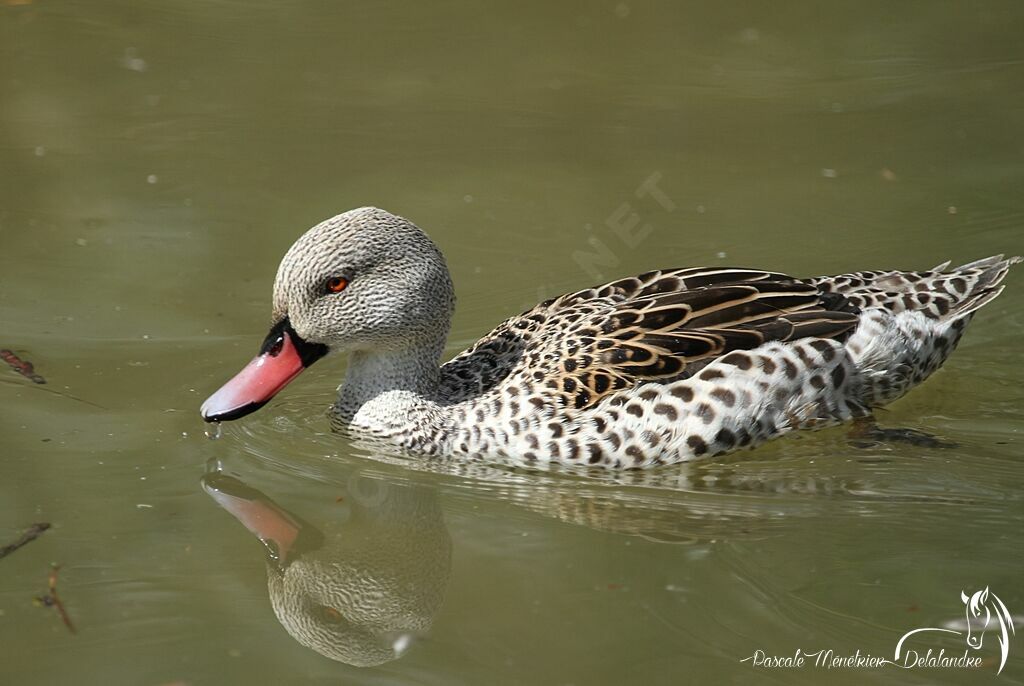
x: 336, y: 284
x: 331, y: 614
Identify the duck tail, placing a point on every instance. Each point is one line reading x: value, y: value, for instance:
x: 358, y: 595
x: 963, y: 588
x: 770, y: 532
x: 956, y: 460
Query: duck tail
x: 985, y: 277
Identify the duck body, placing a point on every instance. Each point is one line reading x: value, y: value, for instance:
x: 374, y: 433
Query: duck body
x: 655, y: 369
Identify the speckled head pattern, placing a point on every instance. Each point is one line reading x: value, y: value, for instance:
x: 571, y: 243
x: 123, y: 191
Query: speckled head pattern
x: 399, y: 290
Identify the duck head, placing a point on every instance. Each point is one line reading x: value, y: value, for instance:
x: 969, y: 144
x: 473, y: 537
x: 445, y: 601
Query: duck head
x: 363, y: 588
x: 365, y: 280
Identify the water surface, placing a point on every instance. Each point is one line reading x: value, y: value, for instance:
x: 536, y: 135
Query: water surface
x: 158, y: 159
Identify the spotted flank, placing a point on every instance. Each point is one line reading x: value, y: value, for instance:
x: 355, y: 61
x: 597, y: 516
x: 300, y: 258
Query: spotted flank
x: 649, y: 370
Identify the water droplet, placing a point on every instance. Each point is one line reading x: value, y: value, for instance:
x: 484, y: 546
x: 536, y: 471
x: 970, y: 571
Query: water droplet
x: 213, y: 431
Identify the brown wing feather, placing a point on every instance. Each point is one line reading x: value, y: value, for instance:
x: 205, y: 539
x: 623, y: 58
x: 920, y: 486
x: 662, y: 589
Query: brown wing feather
x: 585, y: 345
x: 658, y: 337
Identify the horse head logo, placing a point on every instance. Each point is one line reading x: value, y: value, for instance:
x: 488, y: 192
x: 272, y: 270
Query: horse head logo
x: 984, y: 612
x: 976, y: 605
x: 984, y: 609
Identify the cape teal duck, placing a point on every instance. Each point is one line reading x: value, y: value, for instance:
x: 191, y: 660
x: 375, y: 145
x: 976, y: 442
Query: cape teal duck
x: 653, y: 369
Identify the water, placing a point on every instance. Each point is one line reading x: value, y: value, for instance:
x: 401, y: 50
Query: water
x: 213, y: 431
x: 157, y: 160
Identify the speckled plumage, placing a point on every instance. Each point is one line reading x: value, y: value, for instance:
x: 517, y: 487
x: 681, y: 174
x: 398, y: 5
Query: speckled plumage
x: 362, y: 587
x: 648, y: 370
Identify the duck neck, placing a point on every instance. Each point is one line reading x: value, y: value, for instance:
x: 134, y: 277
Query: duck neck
x: 382, y: 387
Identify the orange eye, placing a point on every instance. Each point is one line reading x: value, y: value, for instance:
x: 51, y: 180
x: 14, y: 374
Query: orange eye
x: 336, y: 284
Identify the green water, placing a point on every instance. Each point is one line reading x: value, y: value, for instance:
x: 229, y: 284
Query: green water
x: 157, y: 159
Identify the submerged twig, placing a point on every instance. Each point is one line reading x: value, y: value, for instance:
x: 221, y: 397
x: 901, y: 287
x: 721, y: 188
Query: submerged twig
x: 23, y: 367
x: 30, y: 534
x: 28, y: 370
x: 51, y: 599
x: 60, y: 394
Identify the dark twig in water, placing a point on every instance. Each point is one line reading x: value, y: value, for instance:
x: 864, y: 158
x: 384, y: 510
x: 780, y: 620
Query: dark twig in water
x: 28, y: 370
x: 73, y: 397
x: 30, y: 534
x: 61, y: 394
x: 23, y: 367
x: 51, y: 599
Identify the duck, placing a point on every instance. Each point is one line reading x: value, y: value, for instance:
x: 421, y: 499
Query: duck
x: 659, y: 368
x: 367, y: 583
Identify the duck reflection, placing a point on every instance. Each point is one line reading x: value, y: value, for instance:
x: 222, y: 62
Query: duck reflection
x: 362, y: 587
x: 369, y: 578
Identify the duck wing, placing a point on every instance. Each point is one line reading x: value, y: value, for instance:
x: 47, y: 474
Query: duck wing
x: 580, y: 347
x: 499, y: 353
x: 659, y: 337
